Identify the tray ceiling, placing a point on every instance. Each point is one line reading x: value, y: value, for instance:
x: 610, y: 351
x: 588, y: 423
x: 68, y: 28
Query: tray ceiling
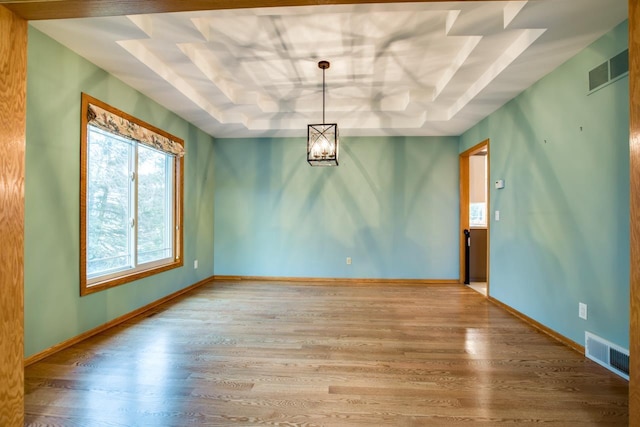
x: 396, y: 69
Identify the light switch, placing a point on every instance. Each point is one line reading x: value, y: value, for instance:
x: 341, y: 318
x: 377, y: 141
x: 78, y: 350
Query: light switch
x: 497, y: 215
x: 500, y: 184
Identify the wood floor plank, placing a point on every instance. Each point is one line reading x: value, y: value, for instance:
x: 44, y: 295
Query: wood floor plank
x: 288, y: 354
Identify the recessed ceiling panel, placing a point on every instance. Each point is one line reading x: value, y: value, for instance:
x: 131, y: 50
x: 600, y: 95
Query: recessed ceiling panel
x: 423, y: 68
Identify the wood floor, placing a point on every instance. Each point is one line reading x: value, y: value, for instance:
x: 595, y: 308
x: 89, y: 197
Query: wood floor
x: 290, y: 354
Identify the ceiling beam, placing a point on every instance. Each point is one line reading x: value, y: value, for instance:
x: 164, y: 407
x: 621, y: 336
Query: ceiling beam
x: 62, y: 9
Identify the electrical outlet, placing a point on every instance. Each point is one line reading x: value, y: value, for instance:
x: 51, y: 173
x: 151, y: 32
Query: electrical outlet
x: 582, y: 310
x: 195, y: 264
x: 348, y: 260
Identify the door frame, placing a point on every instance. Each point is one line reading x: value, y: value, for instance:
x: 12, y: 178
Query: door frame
x: 464, y: 202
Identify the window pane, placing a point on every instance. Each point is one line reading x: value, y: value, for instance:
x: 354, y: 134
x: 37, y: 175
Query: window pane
x: 478, y: 214
x: 108, y: 203
x: 155, y: 205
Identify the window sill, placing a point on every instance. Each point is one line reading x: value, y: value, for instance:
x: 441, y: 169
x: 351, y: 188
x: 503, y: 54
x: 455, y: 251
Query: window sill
x: 126, y: 278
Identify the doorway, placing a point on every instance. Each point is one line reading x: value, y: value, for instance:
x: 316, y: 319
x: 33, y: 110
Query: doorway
x: 474, y: 217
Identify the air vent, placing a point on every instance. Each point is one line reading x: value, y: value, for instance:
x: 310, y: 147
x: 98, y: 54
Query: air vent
x: 609, y: 71
x: 607, y: 354
x: 599, y: 76
x: 619, y: 64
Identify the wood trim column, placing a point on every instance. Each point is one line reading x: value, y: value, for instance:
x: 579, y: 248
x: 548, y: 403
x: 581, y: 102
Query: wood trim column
x: 634, y: 158
x: 463, y: 165
x: 13, y: 77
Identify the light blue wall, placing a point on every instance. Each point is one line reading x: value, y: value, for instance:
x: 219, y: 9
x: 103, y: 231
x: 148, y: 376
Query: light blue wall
x: 391, y: 205
x: 54, y: 311
x: 563, y: 234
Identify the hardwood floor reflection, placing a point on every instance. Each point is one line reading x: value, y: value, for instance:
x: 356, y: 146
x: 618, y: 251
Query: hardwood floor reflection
x: 480, y: 287
x: 293, y: 354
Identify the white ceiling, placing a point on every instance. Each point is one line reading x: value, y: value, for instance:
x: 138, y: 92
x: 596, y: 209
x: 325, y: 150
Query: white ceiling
x: 396, y: 68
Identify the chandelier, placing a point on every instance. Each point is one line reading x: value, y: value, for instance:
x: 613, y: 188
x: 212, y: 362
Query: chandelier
x: 322, y: 139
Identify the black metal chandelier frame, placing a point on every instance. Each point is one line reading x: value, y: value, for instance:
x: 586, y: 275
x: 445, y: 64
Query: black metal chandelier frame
x: 322, y: 139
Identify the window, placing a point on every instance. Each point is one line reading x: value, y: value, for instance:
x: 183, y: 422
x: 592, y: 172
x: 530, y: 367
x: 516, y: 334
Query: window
x: 131, y: 198
x: 478, y: 214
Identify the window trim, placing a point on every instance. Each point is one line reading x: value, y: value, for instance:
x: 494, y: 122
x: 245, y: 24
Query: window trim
x: 178, y: 234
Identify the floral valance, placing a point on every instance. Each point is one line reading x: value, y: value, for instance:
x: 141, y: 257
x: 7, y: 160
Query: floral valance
x: 110, y: 122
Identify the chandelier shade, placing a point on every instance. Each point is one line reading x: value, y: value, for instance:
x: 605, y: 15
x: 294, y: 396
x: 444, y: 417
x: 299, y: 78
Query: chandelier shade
x: 322, y: 139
